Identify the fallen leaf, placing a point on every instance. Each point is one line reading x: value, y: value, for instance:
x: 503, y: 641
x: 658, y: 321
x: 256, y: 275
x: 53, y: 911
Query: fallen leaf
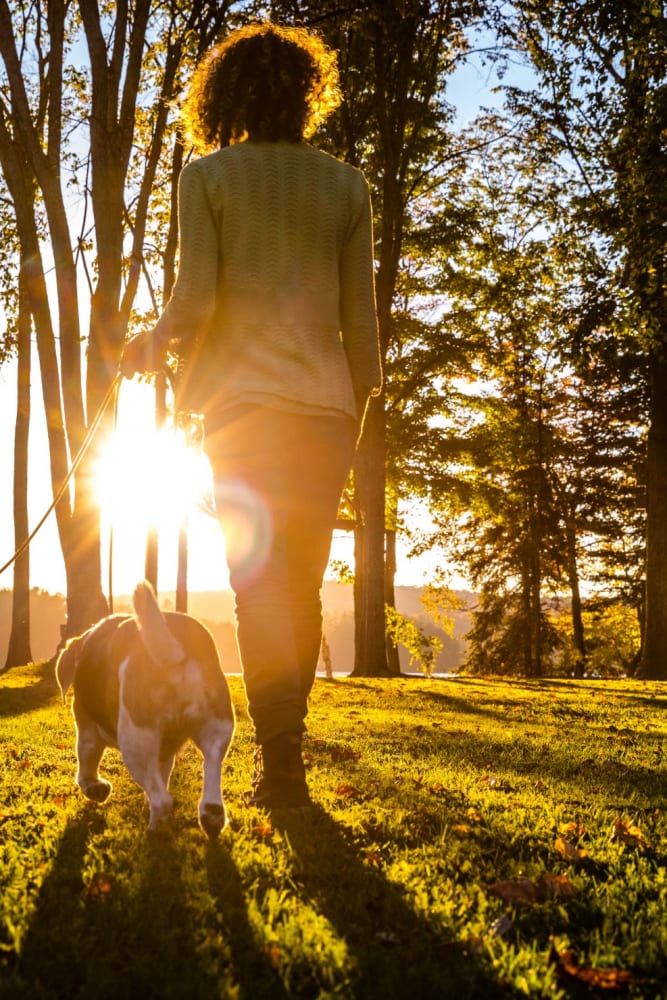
x: 567, y: 850
x: 555, y: 886
x: 630, y: 835
x: 462, y: 829
x: 571, y: 830
x: 347, y: 791
x: 100, y: 886
x: 263, y: 830
x: 515, y: 890
x: 606, y: 979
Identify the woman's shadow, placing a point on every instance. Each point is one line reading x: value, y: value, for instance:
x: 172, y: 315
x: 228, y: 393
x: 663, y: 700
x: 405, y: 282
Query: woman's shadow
x: 396, y: 952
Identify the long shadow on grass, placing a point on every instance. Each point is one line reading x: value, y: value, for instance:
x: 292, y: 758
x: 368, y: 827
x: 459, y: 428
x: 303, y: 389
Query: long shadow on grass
x: 38, y: 690
x: 450, y: 701
x: 120, y: 933
x: 253, y: 971
x: 597, y: 765
x: 397, y: 952
x: 504, y: 709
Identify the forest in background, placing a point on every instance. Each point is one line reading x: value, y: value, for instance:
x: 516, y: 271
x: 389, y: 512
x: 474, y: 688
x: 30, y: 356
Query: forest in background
x: 520, y: 276
x: 216, y: 611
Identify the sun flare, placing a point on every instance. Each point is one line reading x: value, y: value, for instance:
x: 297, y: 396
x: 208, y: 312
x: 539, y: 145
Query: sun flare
x: 153, y: 479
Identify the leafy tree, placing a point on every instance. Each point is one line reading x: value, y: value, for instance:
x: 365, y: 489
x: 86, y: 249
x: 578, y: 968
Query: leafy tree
x: 85, y: 93
x: 601, y: 95
x: 520, y: 459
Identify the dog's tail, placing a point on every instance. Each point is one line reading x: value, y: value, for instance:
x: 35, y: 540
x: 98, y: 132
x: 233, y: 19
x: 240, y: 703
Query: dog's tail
x: 158, y: 641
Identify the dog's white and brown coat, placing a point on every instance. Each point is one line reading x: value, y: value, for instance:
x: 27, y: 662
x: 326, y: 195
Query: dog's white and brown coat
x: 146, y: 684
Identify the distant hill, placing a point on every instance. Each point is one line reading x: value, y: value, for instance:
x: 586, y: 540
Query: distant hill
x: 216, y: 610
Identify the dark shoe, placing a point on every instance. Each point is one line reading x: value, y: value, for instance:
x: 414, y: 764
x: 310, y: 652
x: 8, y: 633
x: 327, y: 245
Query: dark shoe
x: 279, y: 777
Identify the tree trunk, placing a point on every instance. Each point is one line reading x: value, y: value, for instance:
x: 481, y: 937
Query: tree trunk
x: 19, y: 651
x: 578, y: 636
x: 370, y: 658
x: 536, y: 593
x: 393, y: 661
x: 654, y: 658
x: 526, y: 617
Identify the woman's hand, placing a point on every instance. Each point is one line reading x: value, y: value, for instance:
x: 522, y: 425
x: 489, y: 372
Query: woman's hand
x: 143, y: 353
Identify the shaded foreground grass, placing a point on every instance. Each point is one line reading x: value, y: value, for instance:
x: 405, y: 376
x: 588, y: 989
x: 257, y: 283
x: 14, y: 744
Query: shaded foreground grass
x: 472, y: 838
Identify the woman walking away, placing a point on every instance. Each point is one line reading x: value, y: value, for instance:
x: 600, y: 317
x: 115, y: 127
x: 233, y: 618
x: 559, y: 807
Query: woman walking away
x: 273, y: 320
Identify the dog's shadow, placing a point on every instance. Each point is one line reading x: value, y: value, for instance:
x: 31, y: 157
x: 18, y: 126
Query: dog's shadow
x: 95, y: 934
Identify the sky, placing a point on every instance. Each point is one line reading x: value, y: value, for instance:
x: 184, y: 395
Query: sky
x: 469, y: 89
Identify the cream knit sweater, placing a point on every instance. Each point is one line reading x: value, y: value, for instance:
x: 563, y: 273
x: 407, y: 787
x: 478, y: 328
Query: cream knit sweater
x: 274, y: 302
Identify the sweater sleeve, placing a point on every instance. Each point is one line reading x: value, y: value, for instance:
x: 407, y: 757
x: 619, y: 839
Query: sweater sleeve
x: 358, y: 314
x: 193, y: 298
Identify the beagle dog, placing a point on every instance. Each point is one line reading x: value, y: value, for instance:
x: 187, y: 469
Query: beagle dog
x: 146, y: 683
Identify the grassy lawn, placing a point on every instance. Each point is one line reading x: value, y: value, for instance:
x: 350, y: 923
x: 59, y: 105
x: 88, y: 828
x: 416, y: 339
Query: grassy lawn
x: 472, y: 838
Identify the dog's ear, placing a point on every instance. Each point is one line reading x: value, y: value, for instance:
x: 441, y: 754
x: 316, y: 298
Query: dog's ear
x: 67, y: 663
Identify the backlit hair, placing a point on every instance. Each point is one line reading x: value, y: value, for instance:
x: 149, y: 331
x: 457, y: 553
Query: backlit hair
x: 264, y: 82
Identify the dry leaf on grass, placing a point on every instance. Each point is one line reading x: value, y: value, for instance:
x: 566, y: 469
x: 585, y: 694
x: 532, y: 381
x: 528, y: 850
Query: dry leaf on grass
x: 571, y: 830
x: 100, y: 886
x: 263, y: 830
x: 567, y: 850
x: 556, y: 886
x: 347, y: 791
x: 515, y: 890
x: 523, y: 890
x: 606, y: 979
x: 630, y: 835
x: 462, y: 829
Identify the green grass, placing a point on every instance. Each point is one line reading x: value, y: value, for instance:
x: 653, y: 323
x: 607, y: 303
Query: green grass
x: 472, y: 838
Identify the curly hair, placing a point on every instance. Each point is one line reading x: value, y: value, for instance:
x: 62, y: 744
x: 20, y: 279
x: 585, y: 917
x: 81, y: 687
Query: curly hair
x: 264, y: 82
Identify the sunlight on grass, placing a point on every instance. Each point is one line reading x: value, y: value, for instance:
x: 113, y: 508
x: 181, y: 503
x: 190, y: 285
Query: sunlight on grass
x: 473, y: 838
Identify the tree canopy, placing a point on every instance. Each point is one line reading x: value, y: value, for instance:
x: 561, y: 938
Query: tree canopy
x: 520, y: 281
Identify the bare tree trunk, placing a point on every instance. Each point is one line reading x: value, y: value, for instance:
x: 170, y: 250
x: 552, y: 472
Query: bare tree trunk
x: 19, y: 651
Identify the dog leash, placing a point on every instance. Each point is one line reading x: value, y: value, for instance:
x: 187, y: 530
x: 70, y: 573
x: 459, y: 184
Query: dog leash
x: 112, y: 391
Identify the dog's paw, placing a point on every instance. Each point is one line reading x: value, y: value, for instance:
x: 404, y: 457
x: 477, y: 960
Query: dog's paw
x: 161, y: 812
x: 212, y: 819
x: 97, y: 791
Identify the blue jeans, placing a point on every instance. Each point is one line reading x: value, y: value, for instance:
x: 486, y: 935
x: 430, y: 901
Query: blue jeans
x: 278, y: 479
